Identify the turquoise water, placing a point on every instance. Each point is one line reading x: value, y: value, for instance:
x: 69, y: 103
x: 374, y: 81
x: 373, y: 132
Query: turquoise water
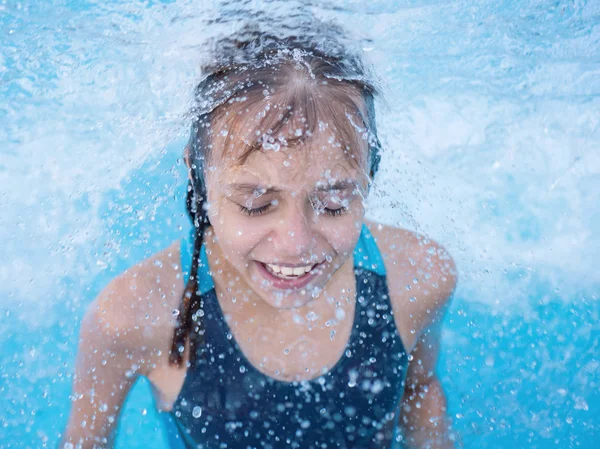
x: 490, y: 122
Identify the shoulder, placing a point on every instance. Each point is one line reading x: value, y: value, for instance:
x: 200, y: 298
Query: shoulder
x: 421, y: 275
x: 133, y: 313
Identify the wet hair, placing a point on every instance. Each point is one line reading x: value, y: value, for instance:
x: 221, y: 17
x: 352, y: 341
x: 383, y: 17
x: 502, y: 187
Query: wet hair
x: 301, y: 78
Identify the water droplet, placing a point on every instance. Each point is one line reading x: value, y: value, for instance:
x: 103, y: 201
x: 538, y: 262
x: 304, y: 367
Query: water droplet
x: 350, y: 411
x: 197, y: 412
x: 332, y: 335
x: 286, y: 351
x: 312, y: 316
x: 413, y: 299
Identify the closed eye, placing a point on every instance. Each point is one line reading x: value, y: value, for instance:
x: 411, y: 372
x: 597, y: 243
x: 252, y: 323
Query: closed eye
x: 254, y: 212
x: 262, y: 209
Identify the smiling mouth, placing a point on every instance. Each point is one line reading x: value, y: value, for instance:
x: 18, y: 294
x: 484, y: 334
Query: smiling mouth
x: 288, y: 272
x: 286, y: 278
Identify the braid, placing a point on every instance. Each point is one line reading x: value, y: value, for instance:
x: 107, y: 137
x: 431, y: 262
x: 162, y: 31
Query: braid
x: 190, y: 307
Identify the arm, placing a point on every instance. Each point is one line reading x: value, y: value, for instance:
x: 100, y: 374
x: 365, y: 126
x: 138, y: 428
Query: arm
x: 408, y: 256
x: 423, y: 420
x: 108, y: 363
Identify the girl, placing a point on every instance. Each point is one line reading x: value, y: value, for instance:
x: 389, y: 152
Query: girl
x: 285, y: 319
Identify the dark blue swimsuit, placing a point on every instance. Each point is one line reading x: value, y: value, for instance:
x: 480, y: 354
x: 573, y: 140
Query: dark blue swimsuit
x: 226, y: 403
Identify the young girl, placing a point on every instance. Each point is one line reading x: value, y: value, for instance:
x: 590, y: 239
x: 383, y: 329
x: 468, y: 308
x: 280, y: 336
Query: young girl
x: 285, y: 319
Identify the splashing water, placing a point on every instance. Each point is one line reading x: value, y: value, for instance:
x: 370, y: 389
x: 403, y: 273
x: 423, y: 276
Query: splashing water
x: 489, y: 123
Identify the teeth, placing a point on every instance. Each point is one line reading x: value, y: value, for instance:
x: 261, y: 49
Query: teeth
x: 275, y: 268
x: 289, y: 271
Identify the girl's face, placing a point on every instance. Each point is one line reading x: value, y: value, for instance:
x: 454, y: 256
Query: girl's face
x: 286, y: 220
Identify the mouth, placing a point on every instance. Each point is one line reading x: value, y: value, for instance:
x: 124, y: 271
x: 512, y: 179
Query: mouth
x: 288, y: 278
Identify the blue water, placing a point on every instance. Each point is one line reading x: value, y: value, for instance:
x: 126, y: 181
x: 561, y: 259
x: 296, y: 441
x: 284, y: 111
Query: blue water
x: 490, y: 122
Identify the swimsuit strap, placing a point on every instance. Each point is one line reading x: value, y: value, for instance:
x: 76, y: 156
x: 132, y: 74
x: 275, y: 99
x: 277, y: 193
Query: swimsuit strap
x: 366, y: 255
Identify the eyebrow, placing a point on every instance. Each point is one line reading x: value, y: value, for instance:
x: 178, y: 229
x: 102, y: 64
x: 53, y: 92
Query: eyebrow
x: 250, y: 188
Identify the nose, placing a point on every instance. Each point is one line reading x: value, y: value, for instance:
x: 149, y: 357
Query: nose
x: 295, y: 239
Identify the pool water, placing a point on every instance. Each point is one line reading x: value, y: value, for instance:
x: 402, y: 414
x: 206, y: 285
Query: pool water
x: 490, y: 124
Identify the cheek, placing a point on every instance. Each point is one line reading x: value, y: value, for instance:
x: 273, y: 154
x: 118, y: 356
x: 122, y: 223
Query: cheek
x: 342, y: 235
x: 238, y: 235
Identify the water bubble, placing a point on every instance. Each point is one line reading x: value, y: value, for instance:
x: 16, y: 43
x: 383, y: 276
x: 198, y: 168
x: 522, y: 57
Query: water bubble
x: 197, y: 412
x: 377, y: 386
x: 350, y: 411
x: 353, y: 377
x: 581, y: 404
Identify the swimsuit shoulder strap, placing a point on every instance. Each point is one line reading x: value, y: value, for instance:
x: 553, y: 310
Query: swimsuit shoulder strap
x: 205, y: 282
x: 366, y: 253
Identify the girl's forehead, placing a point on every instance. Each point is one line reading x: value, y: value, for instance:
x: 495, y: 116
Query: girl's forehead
x: 284, y: 132
x: 301, y: 167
